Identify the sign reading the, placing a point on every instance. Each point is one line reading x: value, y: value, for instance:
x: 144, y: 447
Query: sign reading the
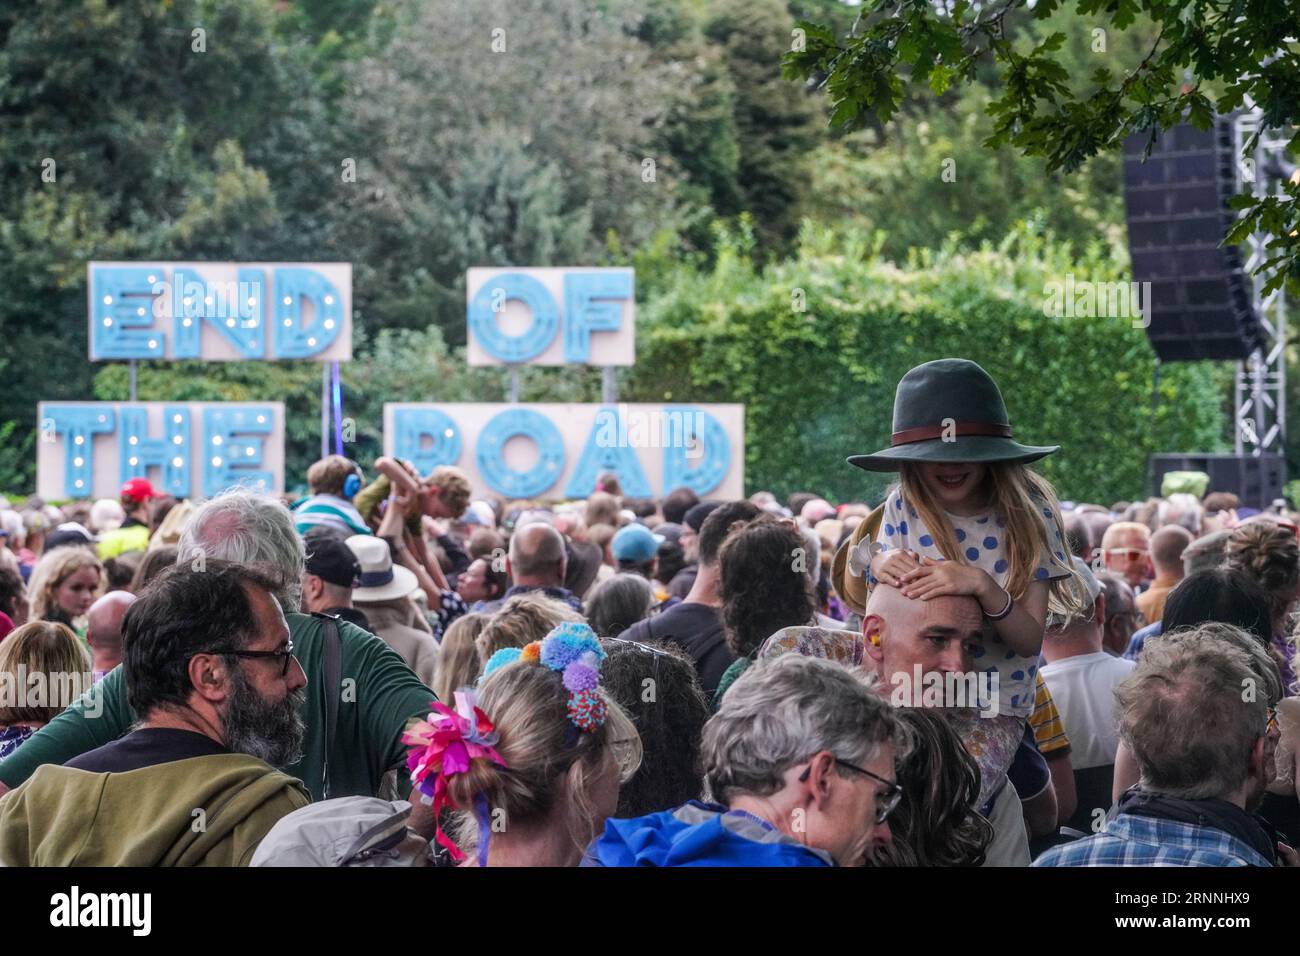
x: 220, y: 311
x: 557, y: 451
x: 187, y: 449
x: 550, y: 316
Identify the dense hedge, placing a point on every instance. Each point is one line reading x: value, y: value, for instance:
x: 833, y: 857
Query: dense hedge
x: 818, y: 385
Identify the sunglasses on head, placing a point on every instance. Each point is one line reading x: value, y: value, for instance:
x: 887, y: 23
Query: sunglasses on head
x: 1128, y: 554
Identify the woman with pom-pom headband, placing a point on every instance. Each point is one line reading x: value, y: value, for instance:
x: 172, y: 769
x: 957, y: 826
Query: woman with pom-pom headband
x: 546, y: 753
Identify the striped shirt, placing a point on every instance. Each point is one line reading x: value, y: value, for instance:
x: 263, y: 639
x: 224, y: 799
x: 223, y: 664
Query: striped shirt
x: 1049, y: 731
x: 330, y: 511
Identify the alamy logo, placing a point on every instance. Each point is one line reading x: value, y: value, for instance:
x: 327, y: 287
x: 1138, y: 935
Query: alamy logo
x: 977, y: 690
x: 1098, y: 300
x: 103, y: 909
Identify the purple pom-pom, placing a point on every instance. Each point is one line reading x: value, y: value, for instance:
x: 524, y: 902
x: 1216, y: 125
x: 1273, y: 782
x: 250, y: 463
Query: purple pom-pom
x: 578, y: 676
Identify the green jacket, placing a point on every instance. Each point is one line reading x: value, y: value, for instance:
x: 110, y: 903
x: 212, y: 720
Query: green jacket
x: 379, y: 696
x: 204, y: 811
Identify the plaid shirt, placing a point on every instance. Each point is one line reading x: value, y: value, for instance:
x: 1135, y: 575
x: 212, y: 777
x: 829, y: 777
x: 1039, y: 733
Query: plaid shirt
x: 1130, y: 840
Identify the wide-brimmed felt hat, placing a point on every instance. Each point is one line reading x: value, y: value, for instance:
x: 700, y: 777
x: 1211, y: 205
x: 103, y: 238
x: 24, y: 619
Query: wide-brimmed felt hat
x: 380, y: 579
x: 949, y: 410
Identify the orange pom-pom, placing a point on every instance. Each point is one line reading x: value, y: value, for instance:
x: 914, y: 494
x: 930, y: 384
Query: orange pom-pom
x: 532, y: 652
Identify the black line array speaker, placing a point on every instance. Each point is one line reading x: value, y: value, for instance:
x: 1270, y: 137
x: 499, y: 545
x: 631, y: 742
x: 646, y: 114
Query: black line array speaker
x: 1201, y: 302
x: 1256, y: 479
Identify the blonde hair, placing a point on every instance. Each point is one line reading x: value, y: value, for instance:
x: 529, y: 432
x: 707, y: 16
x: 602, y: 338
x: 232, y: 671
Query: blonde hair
x: 458, y: 660
x: 172, y: 526
x: 1117, y: 528
x: 1270, y: 554
x: 523, y: 619
x: 52, y: 570
x: 51, y: 649
x: 528, y: 705
x: 453, y: 487
x: 1027, y: 503
x: 327, y: 476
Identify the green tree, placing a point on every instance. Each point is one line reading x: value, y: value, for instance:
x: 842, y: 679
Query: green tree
x: 499, y: 133
x: 134, y: 130
x: 775, y: 121
x: 1231, y: 52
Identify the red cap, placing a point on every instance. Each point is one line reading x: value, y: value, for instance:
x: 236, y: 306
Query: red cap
x: 138, y: 489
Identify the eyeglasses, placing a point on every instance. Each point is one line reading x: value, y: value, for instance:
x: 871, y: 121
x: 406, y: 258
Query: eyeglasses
x: 286, y: 653
x: 885, y: 803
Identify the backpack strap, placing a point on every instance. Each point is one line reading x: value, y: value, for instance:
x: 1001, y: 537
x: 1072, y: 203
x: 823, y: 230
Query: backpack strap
x: 382, y: 837
x: 332, y: 662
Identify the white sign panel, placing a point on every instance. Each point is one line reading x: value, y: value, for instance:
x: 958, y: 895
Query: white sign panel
x: 550, y: 316
x: 186, y: 449
x: 554, y: 451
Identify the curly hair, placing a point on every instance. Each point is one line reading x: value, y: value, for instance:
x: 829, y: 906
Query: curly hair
x: 1271, y: 555
x: 936, y: 824
x: 763, y: 585
x: 657, y: 686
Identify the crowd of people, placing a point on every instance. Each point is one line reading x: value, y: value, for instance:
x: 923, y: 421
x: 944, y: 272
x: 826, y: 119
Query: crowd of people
x: 389, y: 671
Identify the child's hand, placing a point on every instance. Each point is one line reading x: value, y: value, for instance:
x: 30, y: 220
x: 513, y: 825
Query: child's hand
x: 890, y: 566
x: 937, y: 578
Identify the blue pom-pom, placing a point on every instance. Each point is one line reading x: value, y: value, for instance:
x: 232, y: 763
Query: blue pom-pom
x: 567, y: 642
x: 507, y: 655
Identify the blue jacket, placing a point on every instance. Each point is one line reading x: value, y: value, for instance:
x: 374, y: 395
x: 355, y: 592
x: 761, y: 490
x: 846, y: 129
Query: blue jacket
x: 698, y: 834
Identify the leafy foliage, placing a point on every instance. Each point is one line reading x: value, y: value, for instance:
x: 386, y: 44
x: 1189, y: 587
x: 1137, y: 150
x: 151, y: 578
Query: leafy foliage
x: 1232, y: 53
x: 818, y: 385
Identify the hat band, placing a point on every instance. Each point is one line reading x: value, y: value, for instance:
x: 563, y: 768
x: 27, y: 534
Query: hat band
x: 930, y: 432
x: 376, y: 579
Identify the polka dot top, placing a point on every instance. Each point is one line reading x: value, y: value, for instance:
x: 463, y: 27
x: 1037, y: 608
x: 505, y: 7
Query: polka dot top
x: 981, y: 539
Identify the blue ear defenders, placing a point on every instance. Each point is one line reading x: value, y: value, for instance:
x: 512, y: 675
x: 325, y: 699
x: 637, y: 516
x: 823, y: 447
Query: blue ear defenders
x: 352, y: 485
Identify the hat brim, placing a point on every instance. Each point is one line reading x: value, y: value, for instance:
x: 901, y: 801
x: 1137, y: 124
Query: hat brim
x: 851, y: 590
x: 975, y: 448
x: 403, y: 583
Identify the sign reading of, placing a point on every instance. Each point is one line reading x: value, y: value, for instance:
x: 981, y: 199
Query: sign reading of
x: 550, y: 316
x: 557, y: 451
x: 187, y: 449
x: 220, y: 311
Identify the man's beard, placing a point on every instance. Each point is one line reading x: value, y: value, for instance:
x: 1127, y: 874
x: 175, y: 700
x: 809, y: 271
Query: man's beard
x: 272, y: 732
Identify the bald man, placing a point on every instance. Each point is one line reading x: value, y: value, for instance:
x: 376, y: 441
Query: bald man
x: 104, y: 630
x: 537, y: 561
x: 944, y: 635
x: 1167, y: 547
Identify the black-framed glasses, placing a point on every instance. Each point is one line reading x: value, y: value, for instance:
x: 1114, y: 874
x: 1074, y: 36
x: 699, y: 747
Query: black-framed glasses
x: 886, y: 803
x: 286, y: 653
